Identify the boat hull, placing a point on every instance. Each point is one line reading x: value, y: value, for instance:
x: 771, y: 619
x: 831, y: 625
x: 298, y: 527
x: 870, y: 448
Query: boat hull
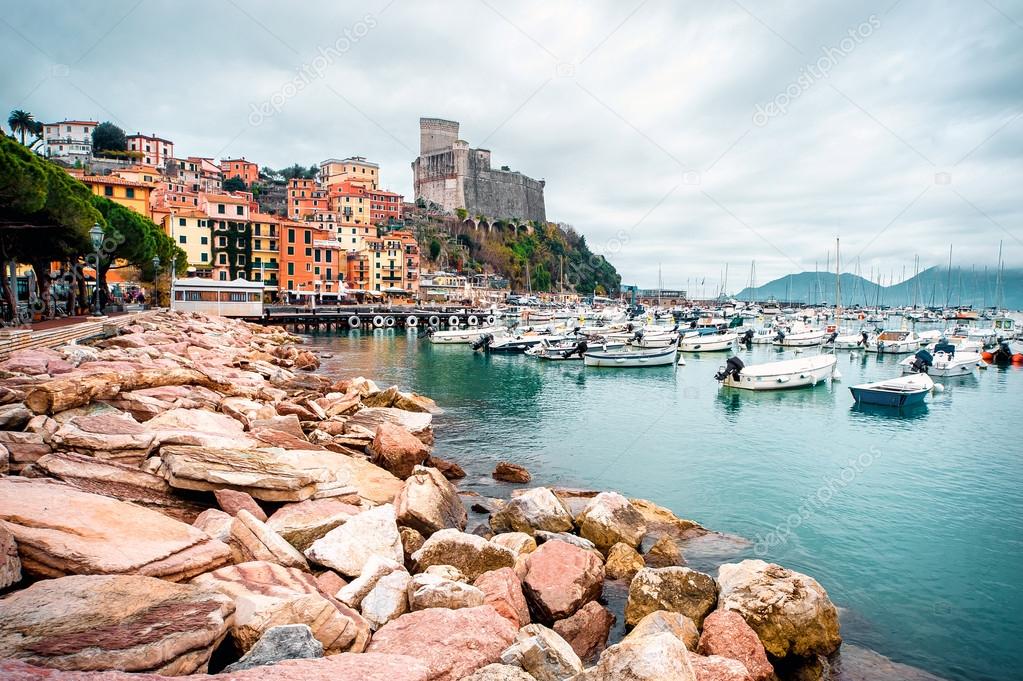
x: 708, y: 343
x: 630, y: 359
x: 787, y: 375
x: 886, y: 398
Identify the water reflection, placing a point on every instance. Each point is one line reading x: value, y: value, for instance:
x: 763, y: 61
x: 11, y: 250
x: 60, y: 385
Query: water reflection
x: 875, y: 412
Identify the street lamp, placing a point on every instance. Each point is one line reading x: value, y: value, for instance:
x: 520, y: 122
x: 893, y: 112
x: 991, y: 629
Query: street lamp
x: 96, y: 235
x: 156, y: 281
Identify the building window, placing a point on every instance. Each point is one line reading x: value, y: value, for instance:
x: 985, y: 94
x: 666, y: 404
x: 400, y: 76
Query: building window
x: 240, y: 210
x: 203, y: 240
x: 291, y: 271
x: 204, y: 257
x: 182, y: 239
x: 181, y: 222
x: 291, y: 237
x: 291, y: 250
x: 220, y: 208
x: 308, y: 236
x: 108, y: 191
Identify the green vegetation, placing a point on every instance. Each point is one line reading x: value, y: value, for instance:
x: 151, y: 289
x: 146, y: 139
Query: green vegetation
x: 22, y: 122
x: 107, y: 137
x: 45, y: 217
x: 234, y: 184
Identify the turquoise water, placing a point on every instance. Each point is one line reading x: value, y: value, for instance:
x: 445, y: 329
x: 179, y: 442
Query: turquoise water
x: 913, y: 522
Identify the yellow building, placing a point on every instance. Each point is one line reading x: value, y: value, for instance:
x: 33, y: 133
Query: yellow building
x: 128, y: 193
x: 266, y: 232
x: 140, y: 173
x: 190, y: 230
x: 354, y: 169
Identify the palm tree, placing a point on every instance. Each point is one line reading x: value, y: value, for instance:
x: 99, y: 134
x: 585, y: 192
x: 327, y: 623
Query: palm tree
x: 21, y: 121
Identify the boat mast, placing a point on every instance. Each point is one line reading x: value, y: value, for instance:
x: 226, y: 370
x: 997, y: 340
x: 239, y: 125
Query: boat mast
x: 948, y: 281
x: 838, y: 280
x: 916, y: 280
x: 999, y: 284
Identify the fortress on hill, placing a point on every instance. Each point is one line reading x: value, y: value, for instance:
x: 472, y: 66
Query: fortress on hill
x: 451, y: 175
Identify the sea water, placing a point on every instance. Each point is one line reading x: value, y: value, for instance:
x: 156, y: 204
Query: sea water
x: 912, y: 520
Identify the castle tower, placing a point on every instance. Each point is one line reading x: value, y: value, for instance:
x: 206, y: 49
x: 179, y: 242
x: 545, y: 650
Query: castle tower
x: 436, y: 134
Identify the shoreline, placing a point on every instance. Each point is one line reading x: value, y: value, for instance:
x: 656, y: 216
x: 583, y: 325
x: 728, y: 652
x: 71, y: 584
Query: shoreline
x: 226, y: 426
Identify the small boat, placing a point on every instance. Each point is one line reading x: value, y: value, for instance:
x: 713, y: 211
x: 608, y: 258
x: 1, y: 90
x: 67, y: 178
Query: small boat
x: 799, y: 337
x: 631, y: 358
x: 894, y: 343
x: 570, y: 348
x: 708, y: 342
x: 894, y: 392
x: 789, y: 373
x: 850, y: 341
x: 463, y: 336
x: 513, y: 344
x: 943, y: 364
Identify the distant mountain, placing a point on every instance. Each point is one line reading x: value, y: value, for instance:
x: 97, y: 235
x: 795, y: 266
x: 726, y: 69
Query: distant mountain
x: 932, y: 287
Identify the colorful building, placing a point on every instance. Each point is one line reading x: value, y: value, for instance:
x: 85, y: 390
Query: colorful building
x: 230, y: 232
x: 385, y: 208
x: 395, y: 263
x: 239, y: 167
x: 128, y: 193
x: 351, y: 202
x: 354, y: 169
x: 305, y: 198
x: 266, y: 250
x: 190, y: 230
x: 155, y: 151
x: 69, y: 141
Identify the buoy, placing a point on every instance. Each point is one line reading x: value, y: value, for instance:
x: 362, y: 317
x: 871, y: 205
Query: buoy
x: 681, y: 361
x: 938, y: 388
x: 1017, y: 358
x: 837, y: 376
x: 986, y: 356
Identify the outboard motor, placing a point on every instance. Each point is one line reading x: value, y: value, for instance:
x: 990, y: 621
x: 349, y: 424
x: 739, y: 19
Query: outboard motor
x: 944, y: 346
x: 733, y: 367
x: 831, y: 338
x: 747, y: 338
x: 579, y: 348
x: 425, y: 332
x: 780, y: 336
x: 483, y: 342
x: 638, y: 335
x: 1002, y: 354
x: 922, y: 361
x: 864, y: 337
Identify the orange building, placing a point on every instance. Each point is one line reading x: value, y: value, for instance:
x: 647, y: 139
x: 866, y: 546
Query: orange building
x: 351, y: 202
x: 311, y: 260
x: 384, y: 207
x: 128, y: 193
x: 354, y: 169
x: 239, y: 167
x: 305, y: 198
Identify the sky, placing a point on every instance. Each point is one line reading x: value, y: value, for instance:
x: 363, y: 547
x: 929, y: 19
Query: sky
x: 678, y: 137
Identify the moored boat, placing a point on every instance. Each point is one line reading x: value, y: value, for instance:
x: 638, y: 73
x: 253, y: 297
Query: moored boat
x: 894, y: 392
x: 715, y: 342
x: 894, y: 343
x: 463, y: 336
x: 631, y: 358
x: 789, y: 373
x: 942, y: 363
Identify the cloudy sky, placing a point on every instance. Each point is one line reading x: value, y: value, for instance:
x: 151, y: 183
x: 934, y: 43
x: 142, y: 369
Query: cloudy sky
x: 686, y: 135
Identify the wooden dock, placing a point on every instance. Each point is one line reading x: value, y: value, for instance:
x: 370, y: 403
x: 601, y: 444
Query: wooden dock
x: 27, y: 338
x: 349, y: 317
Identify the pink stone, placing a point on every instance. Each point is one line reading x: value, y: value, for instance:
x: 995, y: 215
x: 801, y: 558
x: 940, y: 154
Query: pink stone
x: 726, y: 633
x: 502, y: 589
x: 587, y: 630
x: 560, y: 579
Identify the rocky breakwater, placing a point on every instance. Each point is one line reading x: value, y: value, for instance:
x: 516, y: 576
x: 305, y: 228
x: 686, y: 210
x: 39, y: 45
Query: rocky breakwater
x: 190, y: 497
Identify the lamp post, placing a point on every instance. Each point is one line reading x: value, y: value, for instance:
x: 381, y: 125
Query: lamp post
x: 156, y: 281
x: 96, y: 234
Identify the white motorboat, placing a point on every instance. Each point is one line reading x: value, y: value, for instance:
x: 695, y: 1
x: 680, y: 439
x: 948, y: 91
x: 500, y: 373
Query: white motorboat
x: 945, y: 364
x: 631, y: 358
x: 789, y: 373
x: 894, y: 343
x: 570, y: 348
x: 799, y: 337
x: 711, y: 342
x: 464, y: 336
x: 851, y: 341
x: 654, y: 340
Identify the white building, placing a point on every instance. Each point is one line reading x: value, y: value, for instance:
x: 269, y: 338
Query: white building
x: 155, y: 151
x: 69, y: 141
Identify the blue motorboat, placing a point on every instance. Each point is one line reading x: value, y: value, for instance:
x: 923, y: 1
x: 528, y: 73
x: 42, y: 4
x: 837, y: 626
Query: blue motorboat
x: 894, y: 392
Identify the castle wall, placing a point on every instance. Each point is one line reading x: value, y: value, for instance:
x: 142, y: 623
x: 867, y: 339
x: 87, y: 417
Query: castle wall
x: 436, y: 134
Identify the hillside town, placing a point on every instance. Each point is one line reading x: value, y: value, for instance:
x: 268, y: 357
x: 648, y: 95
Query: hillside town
x: 335, y: 231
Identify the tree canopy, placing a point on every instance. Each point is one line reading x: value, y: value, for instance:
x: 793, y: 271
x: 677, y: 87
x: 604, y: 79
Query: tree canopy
x: 234, y: 184
x: 108, y: 137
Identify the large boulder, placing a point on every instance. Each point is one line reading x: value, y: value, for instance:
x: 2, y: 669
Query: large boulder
x: 660, y: 657
x: 432, y: 591
x: 10, y: 564
x: 231, y: 501
x: 61, y: 530
x: 506, y: 471
x: 726, y: 633
x: 256, y: 541
x: 428, y: 502
x: 623, y: 562
x: 267, y: 595
x: 587, y: 630
x: 519, y: 542
x: 119, y: 481
x: 543, y: 653
x: 790, y: 611
x: 675, y: 589
x: 376, y: 568
x: 534, y: 509
x: 471, y: 554
x: 502, y: 590
x: 347, y: 547
x: 302, y: 523
x: 126, y: 622
x: 561, y: 578
x: 283, y: 642
x: 609, y: 518
x: 397, y: 450
x: 451, y: 643
x: 665, y: 552
x: 108, y: 435
x: 674, y: 623
x: 387, y: 599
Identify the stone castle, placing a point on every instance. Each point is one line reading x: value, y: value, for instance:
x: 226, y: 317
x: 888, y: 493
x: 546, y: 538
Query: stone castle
x: 451, y: 175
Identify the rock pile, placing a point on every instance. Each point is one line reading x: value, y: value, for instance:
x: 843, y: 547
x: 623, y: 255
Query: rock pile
x: 189, y: 497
